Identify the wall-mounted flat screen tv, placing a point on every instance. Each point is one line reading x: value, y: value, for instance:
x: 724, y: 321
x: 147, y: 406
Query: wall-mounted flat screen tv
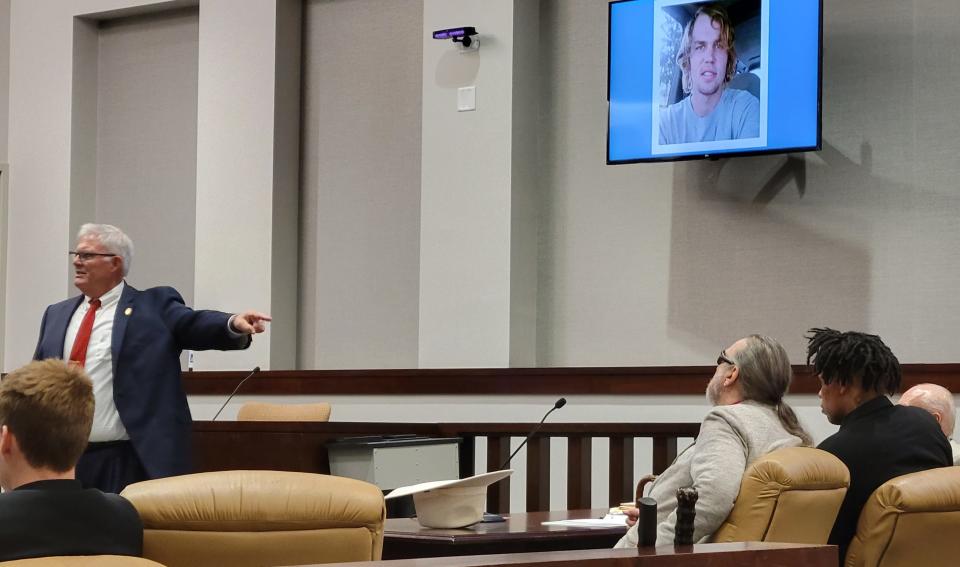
x: 712, y: 79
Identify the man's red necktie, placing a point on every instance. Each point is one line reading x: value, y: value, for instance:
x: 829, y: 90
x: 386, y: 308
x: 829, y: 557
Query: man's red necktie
x: 78, y: 354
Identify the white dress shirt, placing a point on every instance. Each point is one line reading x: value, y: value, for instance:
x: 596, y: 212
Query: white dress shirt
x: 99, y: 365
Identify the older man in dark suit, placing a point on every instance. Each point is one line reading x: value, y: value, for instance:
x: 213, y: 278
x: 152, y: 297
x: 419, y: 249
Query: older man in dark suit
x: 129, y: 341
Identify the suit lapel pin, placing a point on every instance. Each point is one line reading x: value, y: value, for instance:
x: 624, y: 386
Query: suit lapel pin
x: 128, y: 311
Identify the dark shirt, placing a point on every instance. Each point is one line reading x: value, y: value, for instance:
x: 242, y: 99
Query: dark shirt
x: 59, y: 517
x: 879, y: 441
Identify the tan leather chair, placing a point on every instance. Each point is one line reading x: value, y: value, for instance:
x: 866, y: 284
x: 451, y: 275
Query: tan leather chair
x: 260, y: 411
x: 790, y: 496
x: 83, y: 561
x: 912, y: 520
x: 257, y: 518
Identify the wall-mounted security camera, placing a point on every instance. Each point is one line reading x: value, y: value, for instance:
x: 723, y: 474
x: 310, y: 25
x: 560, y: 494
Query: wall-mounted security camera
x: 465, y: 36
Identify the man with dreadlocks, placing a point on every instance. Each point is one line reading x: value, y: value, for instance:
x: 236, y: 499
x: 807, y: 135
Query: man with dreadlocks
x: 877, y: 440
x: 748, y: 419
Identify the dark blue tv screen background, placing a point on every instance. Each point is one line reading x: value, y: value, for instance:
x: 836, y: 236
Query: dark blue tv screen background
x: 780, y: 40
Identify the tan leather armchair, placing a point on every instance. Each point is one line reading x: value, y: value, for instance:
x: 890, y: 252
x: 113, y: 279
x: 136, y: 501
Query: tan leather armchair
x: 258, y: 518
x: 261, y: 411
x: 912, y: 520
x: 83, y: 561
x: 789, y: 495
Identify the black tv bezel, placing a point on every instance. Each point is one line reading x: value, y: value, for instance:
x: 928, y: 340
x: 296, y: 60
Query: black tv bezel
x: 727, y: 154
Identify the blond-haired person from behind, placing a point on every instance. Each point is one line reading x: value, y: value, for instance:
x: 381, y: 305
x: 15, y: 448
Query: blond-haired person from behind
x: 749, y: 419
x: 46, y: 411
x: 938, y: 402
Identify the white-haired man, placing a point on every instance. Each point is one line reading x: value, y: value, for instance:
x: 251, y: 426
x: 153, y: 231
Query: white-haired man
x: 938, y: 402
x: 129, y: 341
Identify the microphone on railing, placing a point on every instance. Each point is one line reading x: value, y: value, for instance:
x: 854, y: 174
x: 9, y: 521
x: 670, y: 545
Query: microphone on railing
x: 230, y: 397
x: 559, y: 404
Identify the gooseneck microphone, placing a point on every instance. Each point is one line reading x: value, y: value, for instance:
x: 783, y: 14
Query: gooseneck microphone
x: 559, y: 404
x: 230, y: 397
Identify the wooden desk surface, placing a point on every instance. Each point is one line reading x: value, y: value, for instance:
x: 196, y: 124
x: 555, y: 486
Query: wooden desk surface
x: 752, y: 554
x: 406, y: 538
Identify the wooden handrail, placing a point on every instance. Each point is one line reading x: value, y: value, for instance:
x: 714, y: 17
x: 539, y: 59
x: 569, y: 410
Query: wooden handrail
x: 650, y: 380
x: 301, y: 446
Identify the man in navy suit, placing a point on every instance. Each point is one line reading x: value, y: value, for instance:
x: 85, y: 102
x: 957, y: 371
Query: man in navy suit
x: 129, y: 341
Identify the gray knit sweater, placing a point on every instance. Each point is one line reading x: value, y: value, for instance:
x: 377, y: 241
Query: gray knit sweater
x: 731, y: 437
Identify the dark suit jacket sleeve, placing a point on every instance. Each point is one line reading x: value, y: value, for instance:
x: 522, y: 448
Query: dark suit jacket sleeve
x: 198, y: 329
x: 37, y: 352
x: 151, y: 328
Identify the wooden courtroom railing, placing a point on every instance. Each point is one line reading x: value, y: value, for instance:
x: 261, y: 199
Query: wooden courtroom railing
x: 579, y: 438
x: 301, y: 446
x: 284, y: 446
x: 639, y: 381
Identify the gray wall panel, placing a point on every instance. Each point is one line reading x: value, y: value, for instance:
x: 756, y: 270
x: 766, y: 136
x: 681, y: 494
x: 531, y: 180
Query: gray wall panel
x: 667, y: 263
x: 360, y: 183
x: 147, y: 142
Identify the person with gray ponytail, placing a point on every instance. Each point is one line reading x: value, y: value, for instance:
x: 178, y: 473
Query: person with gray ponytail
x: 765, y: 375
x: 748, y: 419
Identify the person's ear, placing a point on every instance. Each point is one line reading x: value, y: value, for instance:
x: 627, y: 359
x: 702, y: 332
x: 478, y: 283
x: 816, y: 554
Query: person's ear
x: 117, y: 263
x: 6, y: 440
x: 732, y: 377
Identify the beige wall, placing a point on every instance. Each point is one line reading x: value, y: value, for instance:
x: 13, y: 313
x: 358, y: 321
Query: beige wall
x: 245, y: 194
x: 247, y: 133
x: 360, y: 184
x: 4, y: 77
x: 3, y: 253
x: 637, y: 264
x: 39, y: 142
x: 475, y: 188
x: 4, y: 121
x: 652, y: 264
x: 146, y: 141
x: 666, y: 264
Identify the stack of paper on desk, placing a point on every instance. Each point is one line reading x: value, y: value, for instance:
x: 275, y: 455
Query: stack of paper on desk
x: 608, y: 521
